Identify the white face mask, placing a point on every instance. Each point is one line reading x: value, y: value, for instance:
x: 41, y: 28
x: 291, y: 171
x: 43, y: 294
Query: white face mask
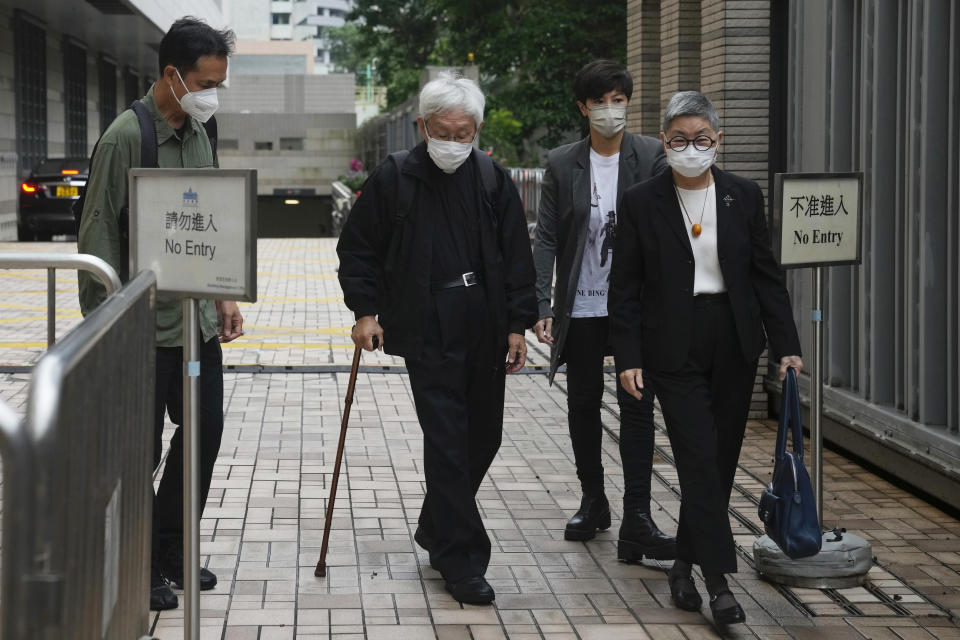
x: 608, y: 119
x: 691, y: 162
x: 200, y: 105
x: 447, y: 154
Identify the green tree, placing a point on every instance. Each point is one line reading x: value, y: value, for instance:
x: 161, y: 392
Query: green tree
x: 528, y: 52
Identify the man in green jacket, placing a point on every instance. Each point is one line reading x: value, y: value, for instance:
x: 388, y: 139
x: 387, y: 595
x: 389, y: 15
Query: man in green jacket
x: 193, y: 63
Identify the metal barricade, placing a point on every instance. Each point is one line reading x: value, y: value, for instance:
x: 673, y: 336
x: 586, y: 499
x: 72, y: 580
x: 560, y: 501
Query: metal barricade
x: 77, y: 491
x: 528, y: 183
x: 53, y: 261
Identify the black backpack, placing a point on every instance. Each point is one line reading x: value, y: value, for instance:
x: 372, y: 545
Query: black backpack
x: 148, y: 159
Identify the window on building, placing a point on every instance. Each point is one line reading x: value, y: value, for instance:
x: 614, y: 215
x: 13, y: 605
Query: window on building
x: 228, y: 144
x: 291, y: 144
x: 281, y: 18
x: 108, y: 92
x: 263, y: 146
x: 75, y: 97
x: 31, y: 94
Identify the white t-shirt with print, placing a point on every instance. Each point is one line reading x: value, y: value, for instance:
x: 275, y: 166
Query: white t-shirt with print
x: 591, y: 295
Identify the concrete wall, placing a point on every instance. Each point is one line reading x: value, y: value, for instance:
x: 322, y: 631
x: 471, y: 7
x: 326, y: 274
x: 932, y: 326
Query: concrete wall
x: 328, y: 148
x: 290, y: 94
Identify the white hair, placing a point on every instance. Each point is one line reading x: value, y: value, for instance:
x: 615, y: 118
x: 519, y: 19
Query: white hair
x: 451, y: 92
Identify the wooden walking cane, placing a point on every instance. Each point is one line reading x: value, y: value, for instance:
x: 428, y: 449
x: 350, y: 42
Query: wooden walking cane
x: 321, y: 570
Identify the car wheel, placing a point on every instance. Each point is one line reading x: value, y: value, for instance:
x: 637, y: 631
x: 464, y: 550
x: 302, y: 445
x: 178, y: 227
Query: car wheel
x: 25, y: 233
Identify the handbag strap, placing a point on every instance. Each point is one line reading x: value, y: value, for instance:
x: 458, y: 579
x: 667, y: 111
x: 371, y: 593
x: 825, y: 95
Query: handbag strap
x: 790, y: 420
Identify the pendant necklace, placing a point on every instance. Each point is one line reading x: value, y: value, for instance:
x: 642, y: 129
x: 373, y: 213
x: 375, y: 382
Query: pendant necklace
x: 695, y: 229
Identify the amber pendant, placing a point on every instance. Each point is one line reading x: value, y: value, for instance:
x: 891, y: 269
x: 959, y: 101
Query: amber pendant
x: 697, y: 230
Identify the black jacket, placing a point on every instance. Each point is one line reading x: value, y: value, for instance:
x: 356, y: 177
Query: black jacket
x: 651, y: 279
x: 385, y: 263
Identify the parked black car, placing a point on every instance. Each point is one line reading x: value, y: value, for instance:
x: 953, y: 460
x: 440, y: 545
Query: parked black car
x: 47, y: 195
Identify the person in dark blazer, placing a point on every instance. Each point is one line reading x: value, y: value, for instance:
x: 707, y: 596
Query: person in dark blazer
x: 576, y: 226
x: 695, y: 294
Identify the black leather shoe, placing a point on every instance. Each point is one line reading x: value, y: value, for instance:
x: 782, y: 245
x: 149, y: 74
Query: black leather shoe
x: 472, y: 590
x: 640, y: 536
x: 726, y: 609
x: 162, y: 597
x: 593, y: 516
x: 172, y: 567
x: 683, y: 590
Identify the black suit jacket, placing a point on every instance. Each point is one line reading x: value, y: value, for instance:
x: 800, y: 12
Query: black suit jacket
x: 651, y: 279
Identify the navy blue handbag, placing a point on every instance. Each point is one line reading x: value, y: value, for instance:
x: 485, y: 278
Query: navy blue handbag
x: 787, y: 506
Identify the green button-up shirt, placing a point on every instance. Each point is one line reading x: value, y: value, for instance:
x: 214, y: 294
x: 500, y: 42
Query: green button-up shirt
x: 99, y: 235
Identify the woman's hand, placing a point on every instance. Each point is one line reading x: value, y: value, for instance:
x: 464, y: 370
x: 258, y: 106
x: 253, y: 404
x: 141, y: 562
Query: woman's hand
x: 632, y: 382
x: 790, y: 361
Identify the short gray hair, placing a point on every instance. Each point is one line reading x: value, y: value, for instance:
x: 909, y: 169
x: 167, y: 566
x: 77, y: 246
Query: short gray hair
x: 690, y: 103
x: 451, y: 92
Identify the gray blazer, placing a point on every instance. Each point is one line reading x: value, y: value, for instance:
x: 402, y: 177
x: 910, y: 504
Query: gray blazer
x: 564, y: 216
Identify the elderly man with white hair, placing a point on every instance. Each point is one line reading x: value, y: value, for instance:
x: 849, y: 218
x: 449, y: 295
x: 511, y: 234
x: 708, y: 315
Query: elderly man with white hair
x: 435, y: 263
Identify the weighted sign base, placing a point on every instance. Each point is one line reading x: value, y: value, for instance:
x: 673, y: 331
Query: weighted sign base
x: 840, y: 564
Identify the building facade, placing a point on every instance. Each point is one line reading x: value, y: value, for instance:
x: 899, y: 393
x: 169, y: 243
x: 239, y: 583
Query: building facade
x: 836, y: 86
x: 297, y: 20
x: 64, y: 76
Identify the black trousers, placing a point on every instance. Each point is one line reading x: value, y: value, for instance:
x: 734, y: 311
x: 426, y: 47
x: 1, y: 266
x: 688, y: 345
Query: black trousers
x: 168, y: 502
x: 705, y: 405
x: 458, y: 389
x: 586, y: 345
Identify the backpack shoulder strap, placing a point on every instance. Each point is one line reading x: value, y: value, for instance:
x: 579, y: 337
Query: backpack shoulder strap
x: 404, y: 187
x: 210, y: 126
x: 488, y: 176
x: 148, y: 135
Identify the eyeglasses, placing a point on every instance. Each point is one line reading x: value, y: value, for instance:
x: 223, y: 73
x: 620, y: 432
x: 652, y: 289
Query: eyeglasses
x: 462, y: 138
x: 700, y: 143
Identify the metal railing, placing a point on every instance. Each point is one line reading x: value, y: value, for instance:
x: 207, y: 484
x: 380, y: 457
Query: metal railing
x: 77, y: 492
x: 528, y: 182
x: 53, y: 261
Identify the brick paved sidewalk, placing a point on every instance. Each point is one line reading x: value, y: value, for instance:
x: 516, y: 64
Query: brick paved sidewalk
x: 263, y: 524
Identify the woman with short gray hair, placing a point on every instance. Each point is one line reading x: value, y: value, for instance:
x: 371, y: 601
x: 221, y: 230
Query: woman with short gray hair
x: 695, y: 294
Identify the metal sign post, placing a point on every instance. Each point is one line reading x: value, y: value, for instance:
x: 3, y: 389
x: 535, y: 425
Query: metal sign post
x: 817, y: 223
x: 191, y: 469
x: 816, y: 394
x: 196, y: 230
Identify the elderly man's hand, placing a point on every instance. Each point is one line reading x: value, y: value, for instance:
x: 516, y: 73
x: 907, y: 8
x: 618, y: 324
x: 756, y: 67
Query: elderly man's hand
x: 364, y: 332
x: 544, y: 330
x: 231, y: 321
x: 516, y: 353
x: 790, y: 361
x: 632, y: 382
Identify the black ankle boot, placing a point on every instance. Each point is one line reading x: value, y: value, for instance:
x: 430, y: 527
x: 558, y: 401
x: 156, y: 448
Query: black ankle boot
x: 640, y: 536
x: 594, y: 514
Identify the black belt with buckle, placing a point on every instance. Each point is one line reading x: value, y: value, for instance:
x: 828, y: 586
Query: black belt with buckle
x: 467, y: 279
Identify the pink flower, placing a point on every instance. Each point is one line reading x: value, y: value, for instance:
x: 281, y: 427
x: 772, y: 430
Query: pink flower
x: 356, y: 166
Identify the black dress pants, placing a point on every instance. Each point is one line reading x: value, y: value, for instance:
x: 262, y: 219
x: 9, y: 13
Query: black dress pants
x: 705, y: 405
x: 586, y: 346
x: 168, y: 502
x: 458, y: 388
